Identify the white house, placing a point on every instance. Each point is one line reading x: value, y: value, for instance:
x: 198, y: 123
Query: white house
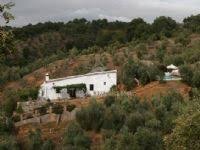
x: 95, y: 83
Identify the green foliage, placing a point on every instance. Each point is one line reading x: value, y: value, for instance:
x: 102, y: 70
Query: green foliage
x: 74, y: 138
x: 173, y: 59
x: 91, y: 117
x: 141, y: 50
x: 187, y: 74
x: 164, y: 26
x: 132, y: 71
x: 148, y: 139
x: 6, y: 125
x: 81, y: 87
x: 134, y: 121
x: 129, y: 72
x: 160, y: 53
x: 183, y: 39
x: 194, y: 93
x: 9, y: 106
x: 192, y: 23
x: 191, y: 75
x: 8, y: 143
x: 48, y: 145
x: 138, y: 29
x: 171, y: 98
x: 185, y: 134
x: 109, y: 100
x: 71, y: 107
x: 196, y: 79
x: 27, y: 93
x: 114, y: 118
x: 35, y: 140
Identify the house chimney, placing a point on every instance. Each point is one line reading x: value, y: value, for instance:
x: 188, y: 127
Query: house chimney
x: 47, y: 77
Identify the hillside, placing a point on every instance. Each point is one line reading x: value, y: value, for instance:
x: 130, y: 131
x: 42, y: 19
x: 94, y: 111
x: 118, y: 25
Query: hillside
x: 84, y: 63
x: 145, y: 112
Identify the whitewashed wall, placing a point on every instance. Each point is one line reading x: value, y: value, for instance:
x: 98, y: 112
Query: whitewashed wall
x: 97, y: 79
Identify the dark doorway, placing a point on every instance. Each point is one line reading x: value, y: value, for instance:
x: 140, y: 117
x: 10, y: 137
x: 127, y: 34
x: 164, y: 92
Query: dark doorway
x: 72, y: 93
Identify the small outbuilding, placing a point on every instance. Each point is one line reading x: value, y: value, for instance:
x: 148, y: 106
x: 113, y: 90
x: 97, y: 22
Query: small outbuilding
x: 172, y: 73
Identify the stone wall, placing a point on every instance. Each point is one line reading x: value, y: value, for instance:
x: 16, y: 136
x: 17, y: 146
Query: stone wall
x: 66, y: 116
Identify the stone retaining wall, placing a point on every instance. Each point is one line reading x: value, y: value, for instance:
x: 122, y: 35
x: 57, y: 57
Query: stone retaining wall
x: 66, y: 116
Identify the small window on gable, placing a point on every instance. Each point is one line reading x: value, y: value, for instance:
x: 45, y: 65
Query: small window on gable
x: 91, y: 87
x: 104, y: 83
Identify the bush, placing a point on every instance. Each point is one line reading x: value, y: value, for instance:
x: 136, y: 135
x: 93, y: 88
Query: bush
x: 34, y: 140
x: 160, y: 53
x: 48, y: 145
x: 153, y: 124
x: 91, y: 117
x: 6, y: 125
x: 129, y: 72
x: 196, y: 79
x: 109, y: 100
x: 113, y: 88
x: 194, y: 93
x: 187, y: 74
x: 185, y: 135
x: 8, y: 143
x: 71, y: 107
x: 9, y: 106
x: 148, y: 139
x: 114, y: 118
x: 27, y: 93
x: 171, y: 98
x: 74, y: 137
x: 134, y: 121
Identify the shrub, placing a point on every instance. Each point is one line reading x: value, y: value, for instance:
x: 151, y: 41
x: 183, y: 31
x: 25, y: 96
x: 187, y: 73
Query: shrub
x: 134, y: 121
x: 27, y: 93
x: 129, y: 72
x: 171, y: 98
x: 196, y: 79
x: 113, y: 88
x: 148, y: 139
x: 34, y: 140
x: 91, y: 117
x: 114, y: 118
x: 194, y: 93
x: 183, y: 39
x: 71, y: 107
x: 6, y: 125
x: 187, y: 74
x: 109, y: 100
x: 48, y: 145
x: 8, y: 143
x: 9, y: 106
x: 153, y: 124
x: 185, y: 135
x: 74, y: 137
x: 160, y: 53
